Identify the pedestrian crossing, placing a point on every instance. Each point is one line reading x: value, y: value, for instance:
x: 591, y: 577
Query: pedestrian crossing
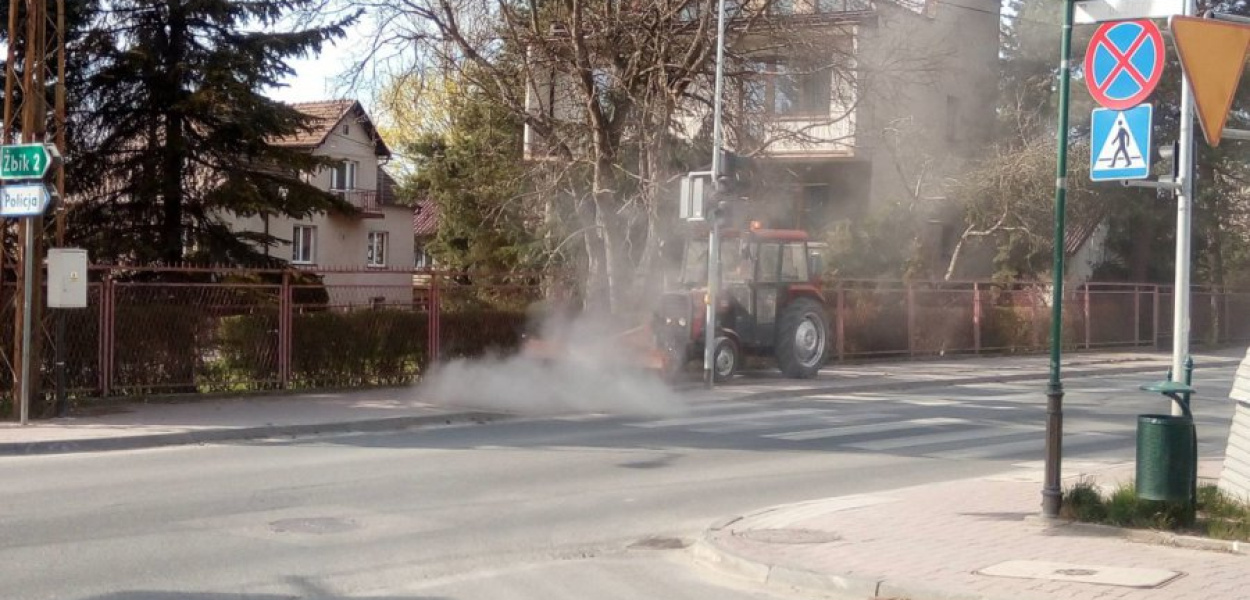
x: 971, y: 432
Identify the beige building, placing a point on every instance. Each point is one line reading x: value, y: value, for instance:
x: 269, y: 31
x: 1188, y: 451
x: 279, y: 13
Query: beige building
x: 366, y: 257
x: 850, y: 105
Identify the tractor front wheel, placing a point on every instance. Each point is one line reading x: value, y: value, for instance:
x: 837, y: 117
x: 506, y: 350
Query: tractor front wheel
x: 725, y: 360
x: 802, y: 339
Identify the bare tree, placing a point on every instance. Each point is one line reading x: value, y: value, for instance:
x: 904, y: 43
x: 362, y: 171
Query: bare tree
x: 616, y: 97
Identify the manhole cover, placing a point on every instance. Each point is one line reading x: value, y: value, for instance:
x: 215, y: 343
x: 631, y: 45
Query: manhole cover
x: 1076, y: 572
x: 313, y: 525
x: 1132, y: 577
x: 659, y: 543
x: 790, y: 536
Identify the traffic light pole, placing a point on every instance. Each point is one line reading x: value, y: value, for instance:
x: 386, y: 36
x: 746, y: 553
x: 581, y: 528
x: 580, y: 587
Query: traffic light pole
x: 1052, y: 494
x: 713, y: 240
x: 1184, y: 221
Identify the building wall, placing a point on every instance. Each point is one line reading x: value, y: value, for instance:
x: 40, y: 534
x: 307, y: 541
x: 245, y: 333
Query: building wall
x: 354, y: 145
x: 930, y: 96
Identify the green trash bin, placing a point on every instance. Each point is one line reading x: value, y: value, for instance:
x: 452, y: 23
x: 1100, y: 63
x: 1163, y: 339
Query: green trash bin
x: 1165, y: 457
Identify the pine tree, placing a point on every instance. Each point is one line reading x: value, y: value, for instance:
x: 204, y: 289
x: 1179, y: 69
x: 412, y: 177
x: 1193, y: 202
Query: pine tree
x: 472, y: 172
x: 177, y: 133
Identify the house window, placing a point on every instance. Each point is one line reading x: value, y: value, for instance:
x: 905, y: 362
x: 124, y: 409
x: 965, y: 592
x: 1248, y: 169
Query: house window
x: 377, y: 249
x: 789, y: 88
x: 304, y: 245
x: 347, y: 129
x: 423, y: 259
x: 343, y: 177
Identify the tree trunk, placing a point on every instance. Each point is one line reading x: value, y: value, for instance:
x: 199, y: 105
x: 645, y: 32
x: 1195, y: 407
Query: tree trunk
x: 610, y: 231
x: 649, y: 276
x: 174, y: 160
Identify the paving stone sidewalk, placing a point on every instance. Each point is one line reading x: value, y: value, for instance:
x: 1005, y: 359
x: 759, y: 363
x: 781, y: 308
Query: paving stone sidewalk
x: 932, y: 542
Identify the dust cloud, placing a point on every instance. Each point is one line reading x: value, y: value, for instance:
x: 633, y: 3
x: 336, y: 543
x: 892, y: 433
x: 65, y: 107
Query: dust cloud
x: 582, y: 365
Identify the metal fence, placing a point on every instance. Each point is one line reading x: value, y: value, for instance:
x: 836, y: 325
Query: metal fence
x: 892, y: 318
x: 162, y: 331
x: 190, y: 330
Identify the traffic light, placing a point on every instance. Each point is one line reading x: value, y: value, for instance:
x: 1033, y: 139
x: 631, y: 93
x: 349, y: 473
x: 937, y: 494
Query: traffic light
x: 732, y: 178
x: 1170, y: 152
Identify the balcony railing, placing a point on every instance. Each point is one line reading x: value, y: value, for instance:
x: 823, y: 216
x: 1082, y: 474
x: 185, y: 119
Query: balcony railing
x: 366, y: 201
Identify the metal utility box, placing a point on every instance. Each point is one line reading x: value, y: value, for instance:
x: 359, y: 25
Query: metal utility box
x: 67, y: 278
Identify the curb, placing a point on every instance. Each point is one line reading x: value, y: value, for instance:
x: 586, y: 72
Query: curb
x: 182, y: 438
x: 912, y: 385
x: 1150, y: 536
x: 708, y: 554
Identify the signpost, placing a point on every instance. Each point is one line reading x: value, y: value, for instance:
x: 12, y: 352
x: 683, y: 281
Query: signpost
x: 1120, y: 143
x: 1124, y: 63
x: 1213, y: 55
x: 1123, y: 66
x: 26, y: 161
x: 27, y: 164
x: 24, y: 200
x: 1096, y: 11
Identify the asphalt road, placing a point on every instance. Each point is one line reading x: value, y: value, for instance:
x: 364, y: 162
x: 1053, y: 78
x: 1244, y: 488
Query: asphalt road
x: 551, y: 508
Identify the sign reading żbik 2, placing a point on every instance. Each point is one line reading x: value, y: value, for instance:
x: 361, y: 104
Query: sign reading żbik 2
x: 1120, y: 143
x: 1124, y: 63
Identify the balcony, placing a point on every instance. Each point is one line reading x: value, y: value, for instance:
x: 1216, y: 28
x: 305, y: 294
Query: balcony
x: 366, y: 201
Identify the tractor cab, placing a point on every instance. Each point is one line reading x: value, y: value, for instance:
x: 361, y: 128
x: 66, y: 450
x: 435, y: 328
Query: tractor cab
x: 769, y: 302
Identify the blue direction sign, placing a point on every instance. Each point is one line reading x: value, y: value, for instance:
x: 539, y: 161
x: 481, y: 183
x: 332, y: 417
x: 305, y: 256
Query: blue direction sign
x: 1120, y: 143
x: 1124, y: 63
x: 25, y: 200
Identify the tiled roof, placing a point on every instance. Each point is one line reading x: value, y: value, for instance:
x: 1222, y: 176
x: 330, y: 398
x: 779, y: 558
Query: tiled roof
x: 325, y: 115
x: 387, y: 189
x: 1079, y: 231
x: 425, y: 218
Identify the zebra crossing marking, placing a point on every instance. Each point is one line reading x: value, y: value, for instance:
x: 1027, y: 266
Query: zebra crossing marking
x: 836, y: 432
x: 940, y: 438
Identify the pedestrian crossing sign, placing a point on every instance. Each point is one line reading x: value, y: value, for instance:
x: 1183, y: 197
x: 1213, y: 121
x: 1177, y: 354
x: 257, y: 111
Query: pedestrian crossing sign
x: 1120, y: 143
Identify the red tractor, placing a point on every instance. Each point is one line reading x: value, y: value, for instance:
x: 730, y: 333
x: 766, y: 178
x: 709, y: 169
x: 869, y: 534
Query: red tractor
x: 770, y: 304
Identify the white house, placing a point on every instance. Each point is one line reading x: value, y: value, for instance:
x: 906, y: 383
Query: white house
x: 364, y: 257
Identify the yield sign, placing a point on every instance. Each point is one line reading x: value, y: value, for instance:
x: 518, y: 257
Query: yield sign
x: 1213, y: 54
x: 1124, y: 63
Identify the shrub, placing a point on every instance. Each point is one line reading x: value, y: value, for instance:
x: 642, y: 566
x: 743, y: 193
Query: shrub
x: 1083, y: 502
x: 362, y: 347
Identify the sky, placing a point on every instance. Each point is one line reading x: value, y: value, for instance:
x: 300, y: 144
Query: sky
x: 315, y: 77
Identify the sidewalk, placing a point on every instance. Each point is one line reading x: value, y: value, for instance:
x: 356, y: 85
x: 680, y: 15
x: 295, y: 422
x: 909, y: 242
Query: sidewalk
x: 194, y: 420
x: 975, y: 539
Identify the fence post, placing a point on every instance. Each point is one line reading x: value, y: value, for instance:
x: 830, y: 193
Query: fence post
x: 109, y: 346
x: 976, y: 317
x: 102, y: 336
x: 1085, y: 309
x: 434, y: 320
x: 840, y: 321
x: 911, y: 320
x: 1136, y: 315
x: 1224, y: 320
x: 284, y: 330
x: 1154, y: 323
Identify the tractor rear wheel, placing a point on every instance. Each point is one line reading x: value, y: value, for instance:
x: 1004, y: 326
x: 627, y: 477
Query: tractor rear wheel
x: 802, y: 339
